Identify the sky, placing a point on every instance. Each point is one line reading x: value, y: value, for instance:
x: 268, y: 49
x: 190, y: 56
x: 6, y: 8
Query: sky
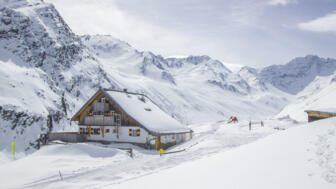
x: 246, y: 32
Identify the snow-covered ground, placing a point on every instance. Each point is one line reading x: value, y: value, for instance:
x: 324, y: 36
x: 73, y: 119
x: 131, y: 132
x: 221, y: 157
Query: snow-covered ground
x: 300, y: 157
x: 93, y: 165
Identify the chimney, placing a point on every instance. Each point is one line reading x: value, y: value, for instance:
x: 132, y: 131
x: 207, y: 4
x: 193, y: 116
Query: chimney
x: 125, y: 90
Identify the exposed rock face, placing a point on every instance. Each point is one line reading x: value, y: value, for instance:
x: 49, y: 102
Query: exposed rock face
x: 35, y: 39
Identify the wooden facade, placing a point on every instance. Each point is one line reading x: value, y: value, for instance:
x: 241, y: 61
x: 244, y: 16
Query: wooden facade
x: 314, y: 115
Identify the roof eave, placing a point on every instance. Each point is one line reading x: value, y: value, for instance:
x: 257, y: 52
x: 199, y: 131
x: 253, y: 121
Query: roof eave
x: 324, y: 112
x: 74, y: 118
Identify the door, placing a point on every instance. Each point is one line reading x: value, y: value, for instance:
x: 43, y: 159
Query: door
x: 178, y: 138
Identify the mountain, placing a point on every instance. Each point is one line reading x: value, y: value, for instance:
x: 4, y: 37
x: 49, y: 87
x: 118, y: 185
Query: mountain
x: 192, y: 89
x: 294, y: 76
x: 44, y: 72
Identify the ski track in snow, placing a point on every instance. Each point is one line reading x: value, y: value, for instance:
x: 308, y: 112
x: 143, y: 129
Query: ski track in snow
x: 325, y: 154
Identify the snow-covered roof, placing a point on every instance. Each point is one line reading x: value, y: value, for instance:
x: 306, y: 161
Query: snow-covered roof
x: 145, y: 112
x: 331, y: 111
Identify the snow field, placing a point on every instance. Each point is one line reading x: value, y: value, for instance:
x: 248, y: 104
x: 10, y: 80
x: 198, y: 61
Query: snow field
x: 92, y: 165
x: 301, y: 157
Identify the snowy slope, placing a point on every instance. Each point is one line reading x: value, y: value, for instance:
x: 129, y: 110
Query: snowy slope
x: 301, y: 157
x: 318, y: 95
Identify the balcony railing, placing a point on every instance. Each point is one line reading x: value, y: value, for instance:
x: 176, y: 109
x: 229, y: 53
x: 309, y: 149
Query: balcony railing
x: 99, y: 120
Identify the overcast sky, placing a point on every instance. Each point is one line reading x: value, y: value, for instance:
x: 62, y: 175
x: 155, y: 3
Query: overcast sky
x: 246, y: 32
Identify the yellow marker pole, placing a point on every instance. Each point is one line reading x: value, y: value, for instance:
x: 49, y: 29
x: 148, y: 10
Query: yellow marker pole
x: 161, y: 151
x: 13, y: 147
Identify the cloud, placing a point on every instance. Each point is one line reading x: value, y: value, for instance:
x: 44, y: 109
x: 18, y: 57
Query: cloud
x: 326, y: 23
x: 281, y: 2
x: 231, y: 31
x: 105, y: 17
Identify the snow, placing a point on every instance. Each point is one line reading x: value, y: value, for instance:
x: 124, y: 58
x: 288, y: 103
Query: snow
x: 300, y: 157
x: 143, y: 110
x: 18, y: 81
x: 318, y: 96
x: 46, y: 69
x: 220, y: 154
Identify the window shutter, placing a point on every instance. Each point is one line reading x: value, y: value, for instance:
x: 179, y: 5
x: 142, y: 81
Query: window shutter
x: 138, y: 132
x: 130, y: 132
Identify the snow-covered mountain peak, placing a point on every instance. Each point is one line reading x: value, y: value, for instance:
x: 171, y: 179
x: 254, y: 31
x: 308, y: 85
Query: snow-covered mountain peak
x: 194, y: 60
x: 20, y: 3
x: 249, y: 70
x: 294, y: 76
x: 38, y: 27
x: 107, y: 45
x: 189, y: 59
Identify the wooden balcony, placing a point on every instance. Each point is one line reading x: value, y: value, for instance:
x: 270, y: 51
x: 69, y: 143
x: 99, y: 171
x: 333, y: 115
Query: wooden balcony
x: 98, y: 120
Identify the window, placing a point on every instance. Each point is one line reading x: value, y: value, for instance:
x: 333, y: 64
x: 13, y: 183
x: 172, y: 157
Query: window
x: 96, y: 131
x: 81, y: 130
x: 91, y: 131
x: 107, y: 130
x: 134, y: 132
x: 114, y: 130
